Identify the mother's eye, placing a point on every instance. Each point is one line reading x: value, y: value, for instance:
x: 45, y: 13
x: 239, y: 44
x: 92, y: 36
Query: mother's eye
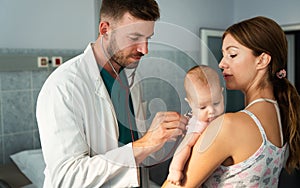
x: 233, y: 56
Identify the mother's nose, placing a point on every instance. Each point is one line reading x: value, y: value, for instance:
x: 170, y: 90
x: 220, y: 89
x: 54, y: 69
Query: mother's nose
x: 223, y: 63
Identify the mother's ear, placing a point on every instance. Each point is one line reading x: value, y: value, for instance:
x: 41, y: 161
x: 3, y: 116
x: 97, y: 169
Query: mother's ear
x: 263, y: 60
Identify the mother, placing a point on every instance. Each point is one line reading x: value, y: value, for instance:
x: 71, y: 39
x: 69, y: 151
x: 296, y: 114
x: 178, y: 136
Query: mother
x: 248, y: 148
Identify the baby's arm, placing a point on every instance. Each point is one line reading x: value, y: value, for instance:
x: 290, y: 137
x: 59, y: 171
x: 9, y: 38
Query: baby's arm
x: 180, y: 157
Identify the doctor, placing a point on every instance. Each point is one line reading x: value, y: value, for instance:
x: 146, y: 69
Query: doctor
x: 89, y: 118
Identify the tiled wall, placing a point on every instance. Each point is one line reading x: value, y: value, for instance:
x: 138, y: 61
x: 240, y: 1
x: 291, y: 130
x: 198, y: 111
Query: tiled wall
x: 18, y: 127
x: 20, y: 83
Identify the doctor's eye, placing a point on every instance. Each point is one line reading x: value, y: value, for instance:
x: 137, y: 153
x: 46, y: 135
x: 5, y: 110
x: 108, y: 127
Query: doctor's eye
x: 133, y: 38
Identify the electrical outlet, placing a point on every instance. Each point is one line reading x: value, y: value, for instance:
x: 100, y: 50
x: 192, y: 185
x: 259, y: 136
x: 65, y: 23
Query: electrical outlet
x: 42, y: 62
x: 56, y: 61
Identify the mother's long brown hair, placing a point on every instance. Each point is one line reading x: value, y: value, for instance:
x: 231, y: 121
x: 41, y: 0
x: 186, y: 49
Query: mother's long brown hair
x: 261, y: 34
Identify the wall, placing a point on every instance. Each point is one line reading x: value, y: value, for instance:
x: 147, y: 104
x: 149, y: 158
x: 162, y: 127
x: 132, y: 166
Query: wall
x: 193, y: 14
x: 284, y: 12
x: 47, y: 24
x: 70, y: 24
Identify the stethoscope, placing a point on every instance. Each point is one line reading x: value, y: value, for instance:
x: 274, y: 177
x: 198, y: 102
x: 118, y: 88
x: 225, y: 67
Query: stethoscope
x: 126, y: 87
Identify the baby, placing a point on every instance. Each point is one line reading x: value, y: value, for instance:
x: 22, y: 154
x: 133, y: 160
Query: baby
x: 204, y: 96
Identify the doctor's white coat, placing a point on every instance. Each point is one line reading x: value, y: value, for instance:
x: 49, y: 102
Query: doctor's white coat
x: 79, y: 131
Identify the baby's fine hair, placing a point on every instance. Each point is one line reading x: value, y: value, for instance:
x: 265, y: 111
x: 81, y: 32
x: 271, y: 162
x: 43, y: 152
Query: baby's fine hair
x: 204, y: 74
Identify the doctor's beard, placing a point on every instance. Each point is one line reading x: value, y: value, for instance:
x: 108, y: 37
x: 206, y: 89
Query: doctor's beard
x: 120, y: 58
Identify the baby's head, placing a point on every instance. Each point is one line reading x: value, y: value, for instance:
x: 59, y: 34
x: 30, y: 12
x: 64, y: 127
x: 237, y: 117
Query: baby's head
x: 204, y: 93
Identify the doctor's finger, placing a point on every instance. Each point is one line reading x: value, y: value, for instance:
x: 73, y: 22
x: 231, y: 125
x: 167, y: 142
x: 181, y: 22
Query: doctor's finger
x: 168, y: 116
x: 174, y: 125
x: 173, y: 133
x: 175, y: 116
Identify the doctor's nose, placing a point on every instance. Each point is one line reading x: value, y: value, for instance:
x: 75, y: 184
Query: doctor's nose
x: 142, y: 47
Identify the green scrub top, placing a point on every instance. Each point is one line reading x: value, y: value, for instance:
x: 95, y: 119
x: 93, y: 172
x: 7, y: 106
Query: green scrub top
x: 120, y: 95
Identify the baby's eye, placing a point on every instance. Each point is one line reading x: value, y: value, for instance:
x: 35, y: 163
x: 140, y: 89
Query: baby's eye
x: 216, y: 103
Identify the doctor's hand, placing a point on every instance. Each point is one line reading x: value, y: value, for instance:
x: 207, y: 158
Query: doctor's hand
x: 165, y: 126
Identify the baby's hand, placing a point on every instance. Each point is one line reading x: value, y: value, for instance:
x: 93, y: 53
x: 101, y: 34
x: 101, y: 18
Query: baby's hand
x: 196, y: 126
x: 175, y: 177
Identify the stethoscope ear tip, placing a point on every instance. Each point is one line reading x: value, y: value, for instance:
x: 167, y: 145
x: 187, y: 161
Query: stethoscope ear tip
x: 188, y: 114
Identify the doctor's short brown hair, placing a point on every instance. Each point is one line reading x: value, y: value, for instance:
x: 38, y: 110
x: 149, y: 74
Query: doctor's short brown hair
x: 147, y: 10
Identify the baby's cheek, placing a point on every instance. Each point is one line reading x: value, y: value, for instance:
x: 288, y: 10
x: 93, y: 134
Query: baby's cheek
x: 220, y: 109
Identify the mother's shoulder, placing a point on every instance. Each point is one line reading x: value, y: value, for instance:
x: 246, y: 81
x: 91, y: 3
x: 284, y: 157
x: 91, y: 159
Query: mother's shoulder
x: 229, y: 123
x: 234, y: 117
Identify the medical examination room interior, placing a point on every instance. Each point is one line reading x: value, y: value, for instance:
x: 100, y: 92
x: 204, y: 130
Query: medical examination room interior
x: 34, y: 33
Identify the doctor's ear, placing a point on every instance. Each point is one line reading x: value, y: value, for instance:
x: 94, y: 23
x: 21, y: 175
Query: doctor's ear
x: 103, y: 28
